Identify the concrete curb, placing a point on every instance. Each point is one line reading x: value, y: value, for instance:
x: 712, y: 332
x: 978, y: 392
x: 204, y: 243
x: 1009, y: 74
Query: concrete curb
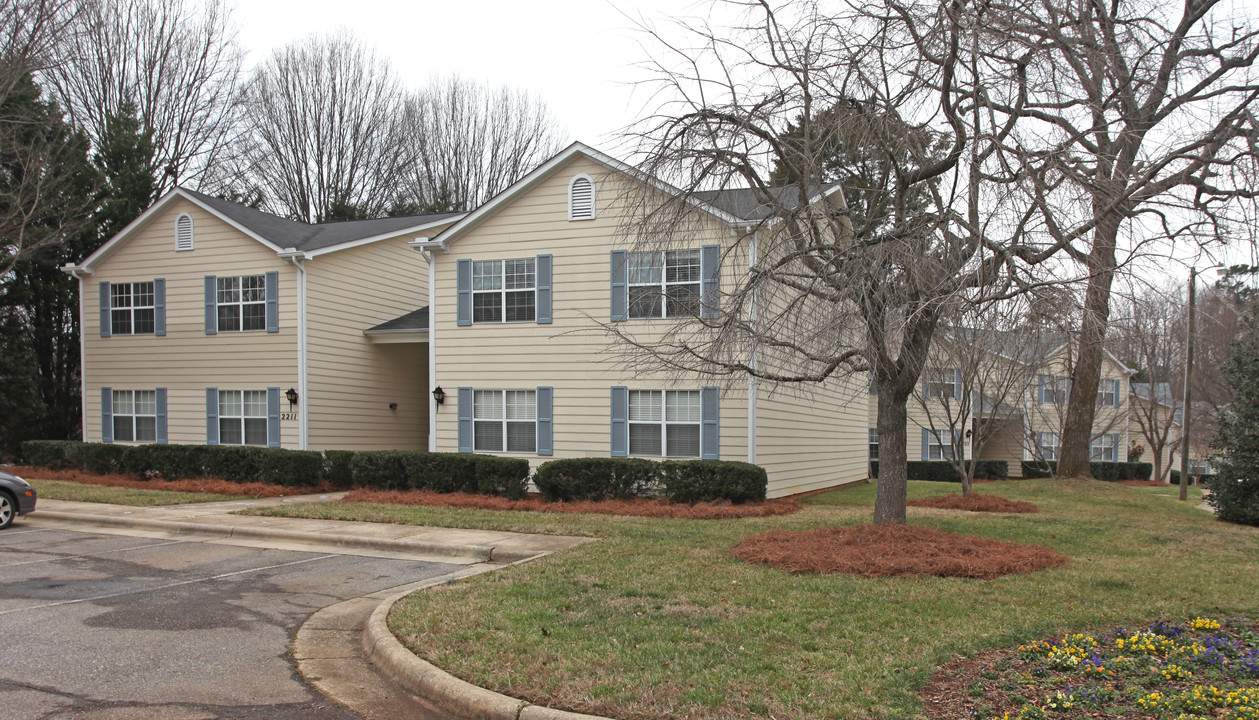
x: 457, y: 699
x: 480, y: 553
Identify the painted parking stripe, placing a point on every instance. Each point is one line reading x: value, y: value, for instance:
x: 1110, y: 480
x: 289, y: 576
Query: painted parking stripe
x: 167, y: 586
x: 59, y: 558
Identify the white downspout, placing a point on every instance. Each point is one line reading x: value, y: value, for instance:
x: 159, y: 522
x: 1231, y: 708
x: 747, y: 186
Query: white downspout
x: 432, y: 348
x: 299, y: 262
x: 753, y: 388
x: 80, y: 273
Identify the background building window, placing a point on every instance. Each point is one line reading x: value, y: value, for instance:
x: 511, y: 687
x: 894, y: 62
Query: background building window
x: 505, y: 419
x: 940, y: 383
x: 135, y: 415
x: 243, y: 417
x: 504, y: 291
x: 1049, y: 443
x: 242, y: 303
x: 1103, y: 448
x: 664, y: 423
x: 131, y: 308
x: 938, y: 448
x: 664, y: 284
x: 874, y: 443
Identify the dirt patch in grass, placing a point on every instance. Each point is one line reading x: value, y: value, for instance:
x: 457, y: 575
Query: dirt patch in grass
x: 894, y: 550
x: 195, y: 485
x: 1143, y: 483
x: 975, y: 503
x: 640, y: 507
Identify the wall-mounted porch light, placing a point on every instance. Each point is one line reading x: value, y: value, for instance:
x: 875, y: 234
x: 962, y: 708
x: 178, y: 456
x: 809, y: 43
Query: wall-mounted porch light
x: 291, y: 396
x: 439, y: 395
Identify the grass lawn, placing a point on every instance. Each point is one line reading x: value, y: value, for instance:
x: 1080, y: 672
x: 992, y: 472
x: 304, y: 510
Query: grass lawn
x: 1194, y: 492
x: 659, y: 621
x: 83, y: 492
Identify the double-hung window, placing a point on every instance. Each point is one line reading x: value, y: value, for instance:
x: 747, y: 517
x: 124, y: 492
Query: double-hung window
x: 505, y: 420
x: 1104, y: 448
x: 940, y: 383
x: 1049, y: 443
x: 135, y: 415
x: 664, y: 284
x: 1108, y: 393
x: 664, y: 422
x: 242, y: 303
x: 131, y: 308
x: 874, y: 443
x: 938, y: 445
x: 1054, y: 390
x: 504, y: 290
x: 243, y: 417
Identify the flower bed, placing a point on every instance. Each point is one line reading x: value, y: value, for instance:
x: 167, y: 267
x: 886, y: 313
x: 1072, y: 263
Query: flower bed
x: 1203, y: 668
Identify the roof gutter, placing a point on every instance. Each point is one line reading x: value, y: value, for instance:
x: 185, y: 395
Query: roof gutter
x: 298, y: 259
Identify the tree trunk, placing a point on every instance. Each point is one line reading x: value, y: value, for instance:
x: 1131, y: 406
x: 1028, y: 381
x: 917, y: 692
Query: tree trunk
x: 1077, y: 431
x: 889, y: 500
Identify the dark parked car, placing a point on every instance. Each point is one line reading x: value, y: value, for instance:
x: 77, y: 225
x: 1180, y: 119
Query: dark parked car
x: 17, y: 497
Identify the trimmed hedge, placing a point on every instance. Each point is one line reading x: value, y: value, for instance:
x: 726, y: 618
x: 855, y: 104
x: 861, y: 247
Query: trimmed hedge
x: 49, y: 454
x: 1234, y: 499
x: 1104, y: 471
x: 696, y: 481
x: 683, y: 481
x: 942, y: 470
x: 596, y: 478
x: 1200, y: 478
x: 338, y: 468
x: 440, y: 472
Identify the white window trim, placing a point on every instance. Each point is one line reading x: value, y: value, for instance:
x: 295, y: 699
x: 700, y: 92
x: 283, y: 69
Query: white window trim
x: 940, y: 446
x: 873, y: 444
x: 503, y: 420
x: 133, y: 415
x: 1106, y: 395
x: 240, y: 304
x: 131, y: 309
x: 243, y: 417
x: 663, y: 286
x: 1049, y: 450
x: 191, y: 233
x: 938, y: 389
x: 503, y: 290
x: 593, y: 198
x: 1100, y: 444
x: 664, y: 422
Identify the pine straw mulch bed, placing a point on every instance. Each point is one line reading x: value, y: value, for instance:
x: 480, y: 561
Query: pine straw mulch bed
x: 639, y: 507
x: 975, y: 503
x: 894, y: 550
x: 192, y: 485
x: 1142, y: 483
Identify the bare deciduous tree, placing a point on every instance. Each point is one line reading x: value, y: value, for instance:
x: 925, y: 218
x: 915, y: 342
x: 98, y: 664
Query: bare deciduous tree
x: 1133, y: 118
x: 472, y: 141
x: 176, y: 62
x: 836, y: 288
x: 324, y: 130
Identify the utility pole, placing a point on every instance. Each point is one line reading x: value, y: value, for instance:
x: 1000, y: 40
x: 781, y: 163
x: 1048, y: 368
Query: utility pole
x: 1184, y: 419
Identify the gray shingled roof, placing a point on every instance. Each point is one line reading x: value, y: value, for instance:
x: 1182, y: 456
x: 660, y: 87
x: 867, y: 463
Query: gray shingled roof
x: 414, y: 320
x: 292, y: 234
x: 743, y: 202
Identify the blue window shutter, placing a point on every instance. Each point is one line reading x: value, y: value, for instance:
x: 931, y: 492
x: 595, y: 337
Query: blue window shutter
x: 273, y: 417
x: 957, y: 383
x: 620, y: 285
x: 620, y: 421
x: 546, y: 408
x: 542, y: 267
x: 710, y: 429
x: 107, y: 415
x: 273, y: 303
x: 926, y: 442
x: 105, y: 322
x: 1040, y: 389
x: 1116, y: 393
x: 1114, y: 444
x: 212, y: 317
x: 159, y: 306
x: 1040, y: 442
x: 710, y: 288
x: 465, y: 418
x: 162, y: 436
x: 211, y: 416
x: 463, y: 299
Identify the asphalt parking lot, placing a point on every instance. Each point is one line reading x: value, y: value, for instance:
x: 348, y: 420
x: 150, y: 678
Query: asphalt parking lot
x: 108, y: 626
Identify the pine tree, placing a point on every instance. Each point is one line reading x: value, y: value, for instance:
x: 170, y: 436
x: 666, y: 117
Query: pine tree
x: 1235, y: 489
x: 123, y: 158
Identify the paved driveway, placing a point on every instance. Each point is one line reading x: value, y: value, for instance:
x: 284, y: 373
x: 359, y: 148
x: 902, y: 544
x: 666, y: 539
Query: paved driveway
x: 107, y: 626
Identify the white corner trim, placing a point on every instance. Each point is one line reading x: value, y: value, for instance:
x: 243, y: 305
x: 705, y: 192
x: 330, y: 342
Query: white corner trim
x: 432, y: 349
x: 387, y: 236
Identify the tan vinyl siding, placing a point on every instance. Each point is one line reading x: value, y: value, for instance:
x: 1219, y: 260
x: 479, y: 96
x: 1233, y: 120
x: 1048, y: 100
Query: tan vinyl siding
x: 352, y: 380
x: 186, y: 360
x: 810, y: 437
x: 1006, y: 444
x: 573, y: 354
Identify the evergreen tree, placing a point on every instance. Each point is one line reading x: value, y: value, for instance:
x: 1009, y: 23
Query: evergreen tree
x: 1235, y: 489
x: 123, y: 159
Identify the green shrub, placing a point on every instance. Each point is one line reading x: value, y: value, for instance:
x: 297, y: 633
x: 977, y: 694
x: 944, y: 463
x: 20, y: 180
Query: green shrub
x: 291, y: 468
x: 380, y: 469
x: 172, y: 462
x: 49, y: 454
x: 99, y: 458
x: 503, y: 476
x: 1235, y: 499
x: 441, y: 472
x: 337, y: 467
x: 1104, y: 471
x: 235, y: 463
x: 596, y: 478
x: 943, y: 471
x: 695, y: 481
x: 1200, y: 478
x: 1039, y: 468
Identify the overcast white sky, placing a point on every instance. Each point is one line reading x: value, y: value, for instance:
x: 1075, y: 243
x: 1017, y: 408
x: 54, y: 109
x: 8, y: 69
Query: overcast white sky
x: 575, y: 55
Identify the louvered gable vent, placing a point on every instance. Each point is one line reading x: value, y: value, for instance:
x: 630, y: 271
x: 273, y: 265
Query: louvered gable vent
x: 183, y: 232
x: 581, y: 199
